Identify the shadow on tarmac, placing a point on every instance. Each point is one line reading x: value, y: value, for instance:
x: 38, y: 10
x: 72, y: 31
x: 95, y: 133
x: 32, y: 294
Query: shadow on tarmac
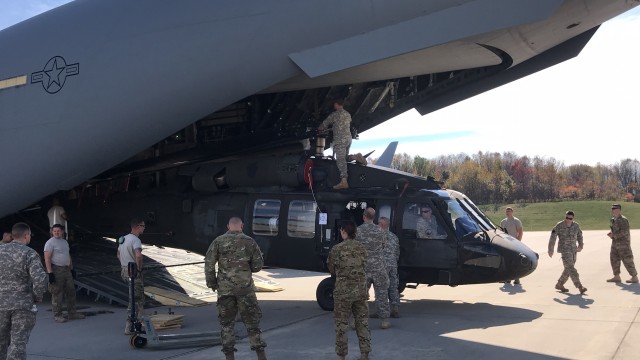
x: 512, y: 289
x: 426, y: 330
x: 576, y: 300
x: 632, y: 288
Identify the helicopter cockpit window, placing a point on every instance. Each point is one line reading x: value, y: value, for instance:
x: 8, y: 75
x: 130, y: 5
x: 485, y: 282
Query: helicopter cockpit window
x: 463, y: 221
x: 301, y: 221
x: 419, y: 221
x: 265, y: 217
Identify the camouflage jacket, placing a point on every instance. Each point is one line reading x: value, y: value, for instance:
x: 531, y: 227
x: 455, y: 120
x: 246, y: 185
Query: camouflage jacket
x: 371, y: 236
x: 567, y: 235
x: 237, y: 256
x: 391, y: 250
x: 23, y: 279
x: 340, y: 120
x: 620, y: 230
x: 347, y: 261
x: 429, y: 229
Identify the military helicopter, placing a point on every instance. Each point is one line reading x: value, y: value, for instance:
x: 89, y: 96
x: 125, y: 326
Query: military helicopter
x: 290, y: 208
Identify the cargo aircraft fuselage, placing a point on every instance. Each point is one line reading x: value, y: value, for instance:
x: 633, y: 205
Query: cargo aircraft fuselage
x: 99, y: 83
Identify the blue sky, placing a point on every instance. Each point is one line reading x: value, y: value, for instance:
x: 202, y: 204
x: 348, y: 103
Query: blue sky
x: 583, y: 111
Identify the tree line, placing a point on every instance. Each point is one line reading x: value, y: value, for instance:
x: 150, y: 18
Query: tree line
x: 494, y: 178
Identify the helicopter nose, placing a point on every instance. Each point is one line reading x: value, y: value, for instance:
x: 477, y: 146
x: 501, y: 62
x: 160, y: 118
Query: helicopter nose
x: 529, y: 261
x: 524, y: 260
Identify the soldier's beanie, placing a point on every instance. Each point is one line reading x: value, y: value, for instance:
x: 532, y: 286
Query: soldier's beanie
x: 616, y: 206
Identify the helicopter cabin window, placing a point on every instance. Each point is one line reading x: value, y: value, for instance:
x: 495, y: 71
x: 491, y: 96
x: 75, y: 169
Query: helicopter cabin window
x: 384, y: 211
x: 301, y: 221
x: 265, y: 217
x: 420, y: 221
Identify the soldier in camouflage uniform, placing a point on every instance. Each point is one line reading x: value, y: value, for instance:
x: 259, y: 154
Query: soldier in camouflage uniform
x: 373, y: 240
x: 427, y: 225
x: 568, y: 232
x: 237, y: 256
x: 347, y: 262
x: 391, y: 257
x: 22, y: 283
x: 6, y: 238
x: 340, y: 120
x: 621, y: 246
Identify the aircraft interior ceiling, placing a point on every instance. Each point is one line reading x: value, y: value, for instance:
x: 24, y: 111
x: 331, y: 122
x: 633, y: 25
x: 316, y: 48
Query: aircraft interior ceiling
x: 273, y: 120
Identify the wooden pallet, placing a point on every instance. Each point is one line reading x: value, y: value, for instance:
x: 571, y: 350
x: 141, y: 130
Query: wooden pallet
x: 166, y: 321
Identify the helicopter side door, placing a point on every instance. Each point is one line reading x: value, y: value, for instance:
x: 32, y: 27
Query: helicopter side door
x: 425, y: 238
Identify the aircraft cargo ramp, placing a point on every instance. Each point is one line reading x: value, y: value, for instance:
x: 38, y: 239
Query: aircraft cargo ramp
x: 171, y: 276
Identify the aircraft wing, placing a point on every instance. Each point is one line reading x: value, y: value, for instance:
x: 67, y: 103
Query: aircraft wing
x: 441, y: 27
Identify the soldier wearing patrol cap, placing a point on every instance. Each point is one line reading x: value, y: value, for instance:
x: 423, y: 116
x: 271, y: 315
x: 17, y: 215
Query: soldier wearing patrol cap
x: 340, y: 121
x: 621, y: 246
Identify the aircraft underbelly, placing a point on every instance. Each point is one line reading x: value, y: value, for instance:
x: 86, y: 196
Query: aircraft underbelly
x: 447, y: 57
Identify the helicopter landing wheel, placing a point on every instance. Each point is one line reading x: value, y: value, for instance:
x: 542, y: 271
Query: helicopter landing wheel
x: 324, y: 293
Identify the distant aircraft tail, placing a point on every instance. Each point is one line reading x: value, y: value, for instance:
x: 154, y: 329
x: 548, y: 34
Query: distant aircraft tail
x: 386, y: 158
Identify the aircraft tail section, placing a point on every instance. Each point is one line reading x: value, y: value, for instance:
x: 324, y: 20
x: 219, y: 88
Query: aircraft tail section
x: 386, y: 158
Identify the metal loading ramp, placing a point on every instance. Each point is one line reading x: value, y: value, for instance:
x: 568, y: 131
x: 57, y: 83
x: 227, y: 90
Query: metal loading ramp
x: 171, y: 276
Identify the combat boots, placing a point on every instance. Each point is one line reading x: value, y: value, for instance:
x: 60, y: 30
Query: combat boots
x: 616, y: 279
x: 229, y: 356
x: 342, y: 357
x: 395, y: 311
x: 261, y: 354
x: 582, y: 289
x: 364, y: 356
x: 385, y: 324
x: 561, y: 288
x: 343, y: 184
x: 633, y: 280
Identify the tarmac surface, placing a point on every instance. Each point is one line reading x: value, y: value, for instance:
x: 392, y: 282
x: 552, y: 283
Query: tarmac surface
x: 487, y: 321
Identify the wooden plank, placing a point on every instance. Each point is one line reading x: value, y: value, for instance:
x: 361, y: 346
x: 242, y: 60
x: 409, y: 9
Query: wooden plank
x: 166, y: 321
x: 169, y: 297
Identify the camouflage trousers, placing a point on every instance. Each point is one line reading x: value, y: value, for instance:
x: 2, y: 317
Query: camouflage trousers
x: 250, y: 313
x: 569, y: 262
x: 63, y: 288
x: 138, y: 288
x: 342, y: 310
x: 380, y: 281
x: 394, y: 294
x: 341, y: 153
x: 15, y: 328
x: 622, y: 252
